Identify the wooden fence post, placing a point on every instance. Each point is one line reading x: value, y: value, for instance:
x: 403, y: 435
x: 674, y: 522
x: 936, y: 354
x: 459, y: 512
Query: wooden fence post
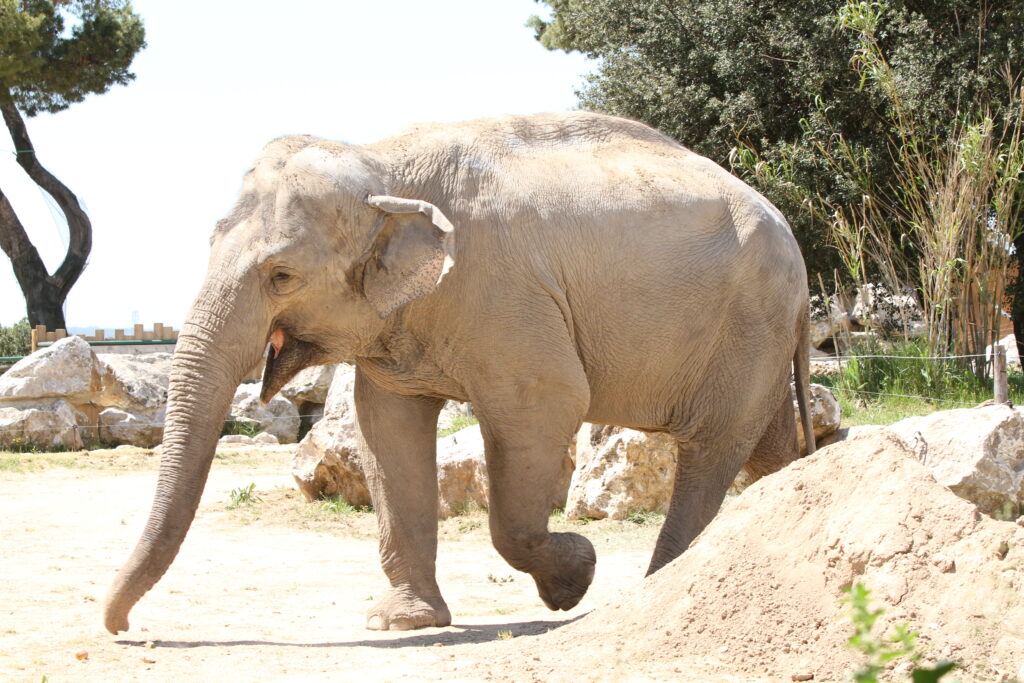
x: 1002, y: 392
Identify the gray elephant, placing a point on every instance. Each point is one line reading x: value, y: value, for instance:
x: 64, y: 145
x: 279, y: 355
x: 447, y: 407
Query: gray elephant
x: 551, y: 269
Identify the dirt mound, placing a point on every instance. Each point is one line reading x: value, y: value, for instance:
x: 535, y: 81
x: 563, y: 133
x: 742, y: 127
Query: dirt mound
x: 757, y: 597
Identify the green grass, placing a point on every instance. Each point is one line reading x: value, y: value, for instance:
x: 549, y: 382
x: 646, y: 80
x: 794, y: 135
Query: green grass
x: 458, y: 424
x: 245, y: 495
x: 880, y: 391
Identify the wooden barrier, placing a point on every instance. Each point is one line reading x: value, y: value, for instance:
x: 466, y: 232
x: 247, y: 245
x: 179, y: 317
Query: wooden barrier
x: 160, y: 334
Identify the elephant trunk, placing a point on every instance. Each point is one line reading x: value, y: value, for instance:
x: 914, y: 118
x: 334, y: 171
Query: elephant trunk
x: 220, y: 341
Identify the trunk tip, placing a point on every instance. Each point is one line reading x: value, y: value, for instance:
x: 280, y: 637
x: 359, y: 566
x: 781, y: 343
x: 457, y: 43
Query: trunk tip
x: 115, y: 621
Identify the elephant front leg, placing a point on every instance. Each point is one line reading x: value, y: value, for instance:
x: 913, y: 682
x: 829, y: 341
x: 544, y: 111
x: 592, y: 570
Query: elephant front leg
x: 525, y: 449
x: 399, y: 458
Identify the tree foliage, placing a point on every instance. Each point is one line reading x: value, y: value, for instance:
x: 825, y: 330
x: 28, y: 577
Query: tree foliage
x: 46, y: 65
x: 715, y: 73
x: 54, y: 53
x: 16, y: 340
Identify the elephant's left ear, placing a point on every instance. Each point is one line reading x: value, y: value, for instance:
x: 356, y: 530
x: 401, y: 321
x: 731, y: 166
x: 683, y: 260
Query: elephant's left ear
x: 411, y: 253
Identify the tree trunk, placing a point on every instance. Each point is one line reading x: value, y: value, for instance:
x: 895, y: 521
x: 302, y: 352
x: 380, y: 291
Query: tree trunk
x: 1016, y: 291
x: 44, y: 293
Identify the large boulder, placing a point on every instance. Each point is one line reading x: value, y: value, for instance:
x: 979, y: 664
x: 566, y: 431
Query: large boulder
x: 620, y: 471
x: 825, y: 414
x: 977, y: 452
x: 145, y: 430
x: 43, y: 425
x: 67, y: 369
x: 310, y: 385
x: 135, y: 383
x: 327, y: 463
x: 278, y: 416
x: 461, y: 472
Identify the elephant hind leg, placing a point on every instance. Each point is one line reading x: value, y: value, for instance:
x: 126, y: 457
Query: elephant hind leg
x: 778, y: 445
x: 704, y: 471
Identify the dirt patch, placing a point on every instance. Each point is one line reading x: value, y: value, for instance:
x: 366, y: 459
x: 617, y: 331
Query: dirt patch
x: 275, y: 591
x: 758, y: 594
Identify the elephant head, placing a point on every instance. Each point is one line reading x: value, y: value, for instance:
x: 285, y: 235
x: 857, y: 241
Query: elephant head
x: 306, y: 268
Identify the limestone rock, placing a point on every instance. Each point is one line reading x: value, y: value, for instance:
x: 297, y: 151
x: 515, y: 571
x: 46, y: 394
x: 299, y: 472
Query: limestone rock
x: 825, y: 414
x: 461, y: 472
x: 67, y: 369
x: 278, y: 416
x: 977, y: 452
x: 46, y: 425
x: 619, y: 471
x: 327, y: 461
x: 310, y: 385
x: 265, y: 439
x: 135, y: 383
x: 145, y: 430
x: 236, y: 440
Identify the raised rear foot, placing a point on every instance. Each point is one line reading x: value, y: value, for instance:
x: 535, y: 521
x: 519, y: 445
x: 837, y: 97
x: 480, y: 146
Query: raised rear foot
x: 402, y: 610
x: 565, y: 583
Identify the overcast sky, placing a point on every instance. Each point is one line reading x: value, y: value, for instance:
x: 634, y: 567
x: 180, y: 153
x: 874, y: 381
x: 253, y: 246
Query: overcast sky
x: 157, y: 162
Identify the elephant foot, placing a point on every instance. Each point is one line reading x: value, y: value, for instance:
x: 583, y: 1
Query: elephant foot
x: 402, y: 610
x: 563, y: 586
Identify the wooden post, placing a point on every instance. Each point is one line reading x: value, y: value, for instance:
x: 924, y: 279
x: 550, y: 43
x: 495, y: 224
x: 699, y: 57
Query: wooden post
x: 1002, y: 392
x: 38, y: 335
x: 119, y: 334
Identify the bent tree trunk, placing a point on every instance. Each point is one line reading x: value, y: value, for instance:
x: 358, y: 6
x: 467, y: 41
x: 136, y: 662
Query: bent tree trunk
x: 44, y: 293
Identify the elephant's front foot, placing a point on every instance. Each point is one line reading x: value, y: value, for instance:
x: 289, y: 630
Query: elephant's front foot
x: 403, y: 610
x: 564, y: 582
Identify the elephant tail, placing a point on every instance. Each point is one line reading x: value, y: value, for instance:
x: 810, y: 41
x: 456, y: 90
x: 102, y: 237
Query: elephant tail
x: 801, y: 379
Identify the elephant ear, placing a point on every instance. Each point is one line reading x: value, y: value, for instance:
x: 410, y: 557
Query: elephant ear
x: 410, y: 254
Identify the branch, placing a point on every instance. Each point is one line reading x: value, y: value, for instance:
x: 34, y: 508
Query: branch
x: 79, y: 225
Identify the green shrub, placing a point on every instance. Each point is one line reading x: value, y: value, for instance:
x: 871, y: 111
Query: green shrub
x: 16, y: 340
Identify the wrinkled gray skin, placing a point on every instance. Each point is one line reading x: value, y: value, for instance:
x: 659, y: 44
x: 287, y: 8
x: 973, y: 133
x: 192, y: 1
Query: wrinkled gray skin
x: 598, y: 271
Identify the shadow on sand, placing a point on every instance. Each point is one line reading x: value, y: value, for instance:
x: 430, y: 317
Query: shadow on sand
x: 450, y: 635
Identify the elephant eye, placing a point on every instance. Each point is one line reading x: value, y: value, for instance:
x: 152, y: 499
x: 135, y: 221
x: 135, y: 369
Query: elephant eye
x: 283, y: 281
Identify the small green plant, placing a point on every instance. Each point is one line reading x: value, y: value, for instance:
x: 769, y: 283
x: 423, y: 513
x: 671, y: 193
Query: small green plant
x: 245, y: 495
x: 644, y: 517
x: 505, y: 635
x: 458, y: 424
x: 336, y: 505
x: 879, y: 652
x: 241, y: 427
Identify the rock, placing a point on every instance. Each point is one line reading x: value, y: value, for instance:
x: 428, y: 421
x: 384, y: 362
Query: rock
x: 461, y: 472
x: 265, y: 439
x: 846, y: 433
x: 878, y: 308
x: 619, y: 471
x: 44, y: 425
x: 278, y: 416
x: 310, y: 385
x: 145, y: 430
x: 67, y: 369
x: 977, y: 452
x: 825, y: 414
x: 327, y: 463
x: 136, y: 383
x: 236, y: 440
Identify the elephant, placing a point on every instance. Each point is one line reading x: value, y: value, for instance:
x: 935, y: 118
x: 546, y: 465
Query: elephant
x: 551, y: 269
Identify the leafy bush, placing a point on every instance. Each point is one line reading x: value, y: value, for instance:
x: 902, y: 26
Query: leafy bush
x: 16, y: 340
x: 880, y: 651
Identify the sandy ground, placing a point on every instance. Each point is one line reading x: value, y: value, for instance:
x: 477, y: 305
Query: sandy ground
x: 247, y: 601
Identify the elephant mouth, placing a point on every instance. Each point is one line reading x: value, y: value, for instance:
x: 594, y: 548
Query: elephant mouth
x: 286, y: 356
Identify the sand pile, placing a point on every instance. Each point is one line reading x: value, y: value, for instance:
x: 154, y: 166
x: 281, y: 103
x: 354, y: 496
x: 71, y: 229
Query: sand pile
x: 758, y: 594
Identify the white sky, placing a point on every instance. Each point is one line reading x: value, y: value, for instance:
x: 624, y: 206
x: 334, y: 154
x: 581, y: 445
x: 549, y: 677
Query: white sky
x: 157, y: 162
